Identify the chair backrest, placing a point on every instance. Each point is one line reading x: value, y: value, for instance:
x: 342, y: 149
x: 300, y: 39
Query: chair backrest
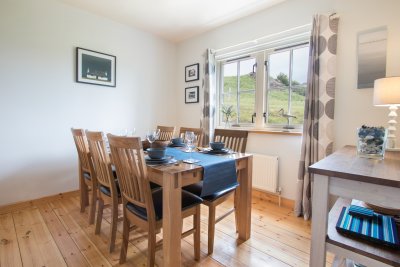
x: 233, y: 139
x: 82, y: 148
x: 101, y: 160
x: 130, y: 165
x: 198, y: 132
x: 166, y: 132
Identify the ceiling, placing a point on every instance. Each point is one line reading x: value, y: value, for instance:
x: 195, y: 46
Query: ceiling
x: 174, y: 20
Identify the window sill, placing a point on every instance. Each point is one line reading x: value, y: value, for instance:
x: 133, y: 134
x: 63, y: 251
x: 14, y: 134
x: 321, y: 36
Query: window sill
x: 296, y: 132
x: 276, y: 131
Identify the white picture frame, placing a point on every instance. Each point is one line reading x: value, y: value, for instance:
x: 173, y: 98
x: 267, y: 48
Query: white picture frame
x: 192, y: 94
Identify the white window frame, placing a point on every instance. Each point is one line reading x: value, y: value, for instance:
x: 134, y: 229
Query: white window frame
x: 220, y: 83
x: 267, y: 70
x: 261, y: 85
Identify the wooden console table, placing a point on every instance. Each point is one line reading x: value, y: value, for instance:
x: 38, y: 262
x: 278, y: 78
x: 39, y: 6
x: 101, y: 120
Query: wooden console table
x: 345, y: 175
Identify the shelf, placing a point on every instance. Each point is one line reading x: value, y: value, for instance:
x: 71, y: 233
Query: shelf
x: 378, y: 252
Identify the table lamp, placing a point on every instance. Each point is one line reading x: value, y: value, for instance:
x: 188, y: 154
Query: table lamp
x: 387, y: 93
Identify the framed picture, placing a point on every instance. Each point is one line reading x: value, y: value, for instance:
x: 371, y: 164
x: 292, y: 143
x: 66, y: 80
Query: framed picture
x: 192, y: 72
x: 95, y: 68
x: 192, y: 94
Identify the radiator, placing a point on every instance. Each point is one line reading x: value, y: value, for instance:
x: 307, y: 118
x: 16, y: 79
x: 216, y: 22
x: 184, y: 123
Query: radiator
x: 265, y: 173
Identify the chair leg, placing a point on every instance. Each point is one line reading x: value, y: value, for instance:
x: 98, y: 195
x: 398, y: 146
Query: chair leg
x: 211, y: 228
x: 235, y: 205
x: 151, y: 247
x: 196, y: 234
x: 99, y: 216
x: 125, y: 239
x: 114, y: 222
x: 84, y: 192
x: 92, y: 211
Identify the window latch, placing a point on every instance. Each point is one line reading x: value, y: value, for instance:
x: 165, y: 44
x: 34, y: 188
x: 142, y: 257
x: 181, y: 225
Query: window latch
x: 253, y: 116
x: 265, y: 117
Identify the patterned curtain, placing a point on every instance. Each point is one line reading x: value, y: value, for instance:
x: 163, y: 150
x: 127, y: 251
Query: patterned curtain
x: 319, y: 106
x: 207, y: 121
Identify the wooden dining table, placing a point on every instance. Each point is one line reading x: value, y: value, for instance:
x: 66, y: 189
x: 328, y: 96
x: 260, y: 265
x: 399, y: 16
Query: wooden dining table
x: 173, y: 177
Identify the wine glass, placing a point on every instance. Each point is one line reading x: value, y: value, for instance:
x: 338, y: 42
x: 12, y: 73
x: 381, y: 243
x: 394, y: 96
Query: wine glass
x: 127, y: 132
x: 190, y: 142
x: 152, y: 136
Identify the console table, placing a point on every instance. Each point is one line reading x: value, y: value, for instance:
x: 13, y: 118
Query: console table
x: 346, y: 175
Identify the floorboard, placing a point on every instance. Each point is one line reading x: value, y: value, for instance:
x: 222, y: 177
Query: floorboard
x: 9, y: 250
x: 56, y: 233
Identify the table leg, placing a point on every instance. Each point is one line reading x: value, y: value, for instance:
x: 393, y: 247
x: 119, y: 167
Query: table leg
x: 172, y: 219
x: 319, y: 220
x: 244, y: 203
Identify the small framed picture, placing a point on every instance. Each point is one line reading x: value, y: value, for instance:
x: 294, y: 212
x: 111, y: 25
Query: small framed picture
x: 95, y: 68
x: 192, y: 72
x: 192, y: 94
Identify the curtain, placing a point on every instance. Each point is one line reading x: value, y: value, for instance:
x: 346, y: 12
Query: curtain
x: 207, y: 122
x: 317, y: 140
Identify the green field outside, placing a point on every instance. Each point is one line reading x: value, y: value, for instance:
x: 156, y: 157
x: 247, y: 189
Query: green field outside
x: 277, y: 99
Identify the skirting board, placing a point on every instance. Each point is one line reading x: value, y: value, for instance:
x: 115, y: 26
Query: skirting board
x: 273, y: 198
x: 29, y: 203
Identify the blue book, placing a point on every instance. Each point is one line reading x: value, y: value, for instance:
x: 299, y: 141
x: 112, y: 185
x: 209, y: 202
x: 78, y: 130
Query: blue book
x: 355, y: 210
x: 380, y: 229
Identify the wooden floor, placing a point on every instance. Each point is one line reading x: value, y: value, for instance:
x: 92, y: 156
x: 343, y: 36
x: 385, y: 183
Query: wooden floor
x: 55, y: 233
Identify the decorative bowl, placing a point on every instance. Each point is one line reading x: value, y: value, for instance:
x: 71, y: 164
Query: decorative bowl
x: 217, y: 145
x: 371, y: 142
x: 177, y: 141
x: 156, y: 153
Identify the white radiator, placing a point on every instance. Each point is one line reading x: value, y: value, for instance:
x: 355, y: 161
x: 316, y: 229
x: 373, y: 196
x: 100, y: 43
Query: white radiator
x: 265, y: 173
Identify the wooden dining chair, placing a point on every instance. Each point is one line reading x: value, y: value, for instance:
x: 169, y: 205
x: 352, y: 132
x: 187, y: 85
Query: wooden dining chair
x: 109, y: 193
x: 87, y: 178
x: 143, y: 207
x: 198, y: 132
x: 166, y: 133
x: 235, y: 140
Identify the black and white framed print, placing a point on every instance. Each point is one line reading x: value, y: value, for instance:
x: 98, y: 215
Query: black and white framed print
x: 192, y: 94
x: 95, y: 68
x: 192, y: 72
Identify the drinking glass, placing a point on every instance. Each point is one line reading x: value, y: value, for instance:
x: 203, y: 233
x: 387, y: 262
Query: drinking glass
x: 127, y: 132
x: 152, y: 136
x: 190, y: 142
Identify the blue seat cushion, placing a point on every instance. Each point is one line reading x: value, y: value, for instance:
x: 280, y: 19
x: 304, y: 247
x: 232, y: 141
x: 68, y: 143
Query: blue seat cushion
x: 87, y: 176
x: 188, y: 200
x: 196, y: 189
x: 154, y: 186
x: 106, y: 190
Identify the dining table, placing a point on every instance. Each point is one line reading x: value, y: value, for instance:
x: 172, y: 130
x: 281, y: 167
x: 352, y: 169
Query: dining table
x: 172, y: 177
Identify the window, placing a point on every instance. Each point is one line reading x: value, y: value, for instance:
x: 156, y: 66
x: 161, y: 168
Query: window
x: 239, y: 89
x: 286, y: 86
x: 266, y: 88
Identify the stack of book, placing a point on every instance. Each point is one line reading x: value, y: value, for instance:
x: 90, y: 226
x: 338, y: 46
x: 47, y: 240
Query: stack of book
x: 366, y: 224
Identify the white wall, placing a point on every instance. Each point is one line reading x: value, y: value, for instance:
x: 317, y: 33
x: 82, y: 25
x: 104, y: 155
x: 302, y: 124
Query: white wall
x: 352, y: 108
x: 40, y: 99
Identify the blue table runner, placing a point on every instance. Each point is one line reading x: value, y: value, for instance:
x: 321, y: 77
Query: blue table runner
x: 219, y: 172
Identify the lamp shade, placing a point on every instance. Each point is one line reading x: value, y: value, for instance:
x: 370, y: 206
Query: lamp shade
x: 387, y: 91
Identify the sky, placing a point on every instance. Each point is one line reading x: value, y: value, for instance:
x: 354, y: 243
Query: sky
x: 279, y: 62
